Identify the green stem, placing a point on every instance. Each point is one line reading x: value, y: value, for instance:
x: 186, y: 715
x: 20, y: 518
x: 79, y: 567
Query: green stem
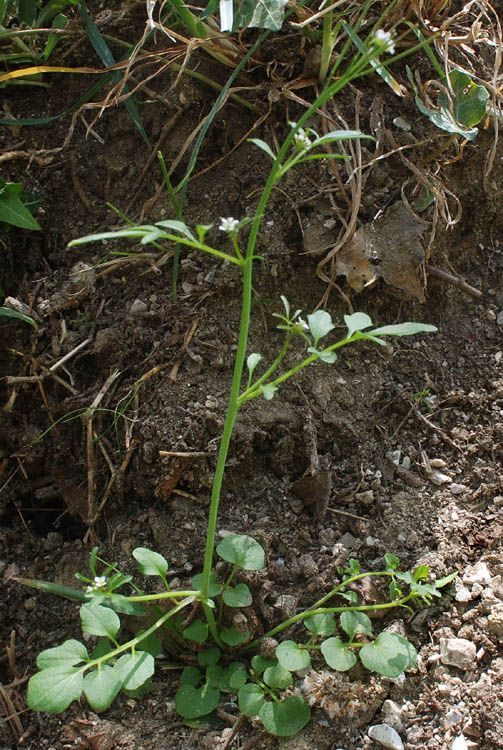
x: 243, y: 398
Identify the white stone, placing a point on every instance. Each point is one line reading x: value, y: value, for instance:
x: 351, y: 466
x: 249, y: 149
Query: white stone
x: 458, y: 489
x: 392, y: 714
x: 478, y: 573
x: 137, y: 307
x: 386, y: 736
x: 438, y: 478
x: 457, y: 652
x: 459, y: 743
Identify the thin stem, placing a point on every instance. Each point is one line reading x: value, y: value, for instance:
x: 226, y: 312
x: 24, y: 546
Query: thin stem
x: 252, y: 388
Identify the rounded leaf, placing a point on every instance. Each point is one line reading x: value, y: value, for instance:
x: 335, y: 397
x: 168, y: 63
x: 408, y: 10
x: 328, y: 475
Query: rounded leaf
x: 320, y: 323
x: 150, y: 563
x: 243, y: 551
x: 197, y: 631
x: 355, y: 622
x: 214, y: 587
x: 322, y: 624
x: 135, y: 669
x: 390, y: 655
x: 239, y: 596
x: 52, y: 690
x: 337, y: 655
x: 250, y: 699
x: 68, y: 654
x: 233, y: 637
x: 292, y: 657
x: 98, y: 620
x: 278, y: 677
x: 191, y: 702
x: 101, y: 687
x: 287, y: 718
x: 209, y: 656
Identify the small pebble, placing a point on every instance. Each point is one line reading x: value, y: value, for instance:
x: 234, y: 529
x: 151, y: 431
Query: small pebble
x: 436, y: 477
x: 137, y: 307
x: 386, y: 736
x: 458, y: 652
x: 478, y: 573
x: 458, y: 489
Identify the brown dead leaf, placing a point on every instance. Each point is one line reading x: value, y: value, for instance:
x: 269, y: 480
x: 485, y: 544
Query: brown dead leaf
x: 388, y: 248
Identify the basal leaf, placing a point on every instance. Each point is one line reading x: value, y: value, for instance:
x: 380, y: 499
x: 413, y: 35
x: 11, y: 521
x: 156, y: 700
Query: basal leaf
x: 337, y: 655
x: 278, y: 677
x: 320, y: 323
x: 243, y: 551
x: 468, y: 101
x: 234, y: 637
x: 214, y: 587
x: 287, y: 718
x: 239, y: 596
x: 357, y: 322
x: 193, y: 702
x: 322, y: 624
x: 263, y: 145
x: 291, y: 656
x: 209, y: 656
x: 403, y: 329
x: 250, y: 699
x: 355, y: 622
x: 390, y: 655
x: 197, y: 631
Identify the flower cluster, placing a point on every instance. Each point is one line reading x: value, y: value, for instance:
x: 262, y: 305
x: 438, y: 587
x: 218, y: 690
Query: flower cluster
x: 301, y: 138
x: 98, y: 584
x: 228, y: 225
x: 382, y: 42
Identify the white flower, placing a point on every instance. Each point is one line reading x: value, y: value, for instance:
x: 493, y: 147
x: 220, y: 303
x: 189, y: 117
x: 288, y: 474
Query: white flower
x: 99, y: 582
x: 301, y: 138
x: 383, y: 42
x: 228, y: 225
x: 301, y: 322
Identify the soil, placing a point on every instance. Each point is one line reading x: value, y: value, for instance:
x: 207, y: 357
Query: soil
x: 412, y: 433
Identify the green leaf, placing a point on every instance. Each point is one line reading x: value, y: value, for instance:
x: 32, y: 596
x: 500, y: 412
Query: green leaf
x: 233, y: 637
x: 262, y: 14
x: 263, y: 145
x: 101, y: 687
x: 134, y: 669
x: 340, y: 135
x: 243, y: 551
x: 237, y: 675
x: 217, y: 677
x: 390, y: 655
x: 70, y: 652
x: 250, y: 699
x: 193, y: 702
x: 102, y: 648
x: 191, y: 676
x: 441, y: 582
x: 252, y: 361
x: 403, y: 329
x: 291, y: 656
x: 202, y: 230
x: 320, y: 323
x: 98, y: 620
x: 357, y: 322
x: 209, y: 656
x: 268, y: 391
x: 152, y: 643
x: 278, y: 677
x: 139, y: 692
x: 260, y: 663
x: 177, y: 226
x: 355, y: 622
x: 328, y: 357
x: 287, y: 718
x: 52, y: 690
x: 322, y: 624
x: 150, y: 563
x: 12, y: 209
x: 420, y: 572
x: 197, y: 631
x: 337, y: 655
x: 6, y: 312
x: 468, y: 100
x: 392, y: 561
x: 214, y: 588
x: 239, y: 596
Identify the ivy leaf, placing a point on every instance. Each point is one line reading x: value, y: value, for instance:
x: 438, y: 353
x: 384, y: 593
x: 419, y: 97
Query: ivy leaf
x: 239, y: 596
x: 337, y: 655
x: 98, y: 620
x: 243, y: 551
x: 292, y: 657
x: 52, y: 690
x: 209, y: 656
x: 191, y: 676
x: 135, y: 669
x: 233, y: 637
x: 150, y: 563
x: 191, y: 702
x: 262, y: 14
x: 101, y: 687
x: 390, y: 655
x: 214, y: 587
x: 287, y: 718
x: 260, y: 663
x: 250, y: 699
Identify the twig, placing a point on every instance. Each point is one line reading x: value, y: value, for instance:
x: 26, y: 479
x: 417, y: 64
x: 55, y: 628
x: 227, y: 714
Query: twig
x: 69, y: 355
x: 345, y: 513
x: 238, y: 723
x: 436, y: 429
x: 186, y: 454
x: 457, y: 281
